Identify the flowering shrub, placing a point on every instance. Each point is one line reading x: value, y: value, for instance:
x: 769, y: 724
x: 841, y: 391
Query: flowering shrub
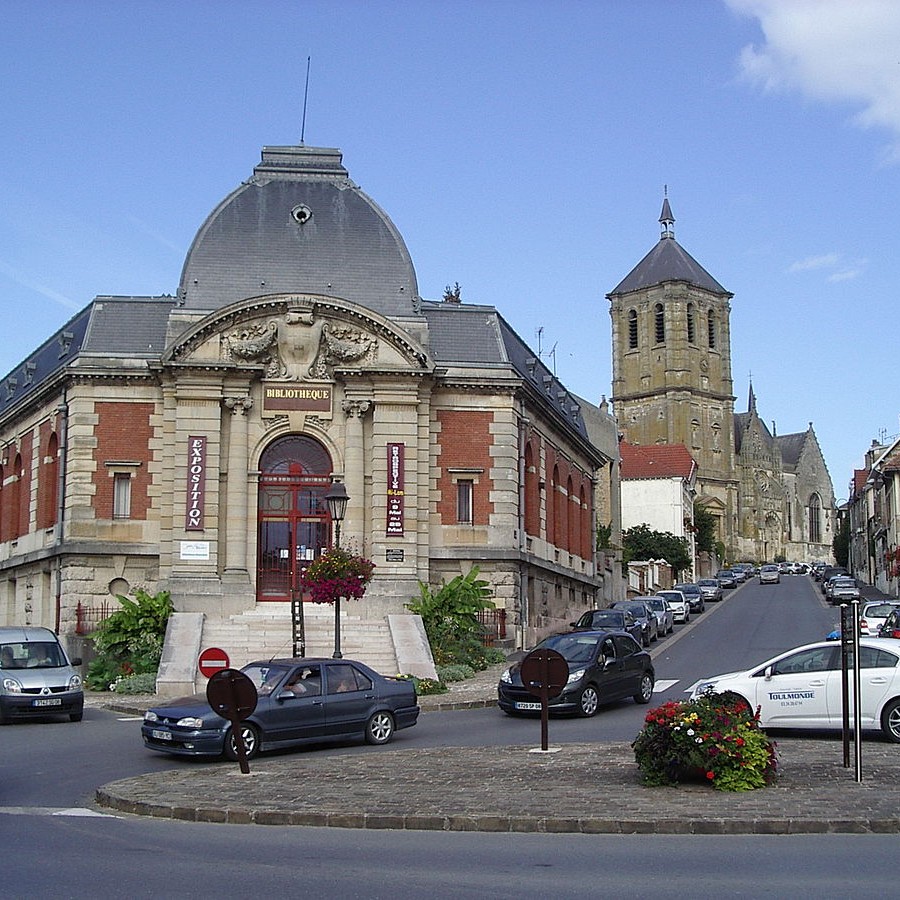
x: 716, y: 737
x: 336, y: 573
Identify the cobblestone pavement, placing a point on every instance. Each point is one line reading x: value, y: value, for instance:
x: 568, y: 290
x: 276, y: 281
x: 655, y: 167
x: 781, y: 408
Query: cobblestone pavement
x: 588, y: 788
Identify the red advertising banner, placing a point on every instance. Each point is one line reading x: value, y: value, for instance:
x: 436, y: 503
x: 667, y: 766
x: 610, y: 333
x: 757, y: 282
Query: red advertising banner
x: 395, y: 490
x: 196, y: 483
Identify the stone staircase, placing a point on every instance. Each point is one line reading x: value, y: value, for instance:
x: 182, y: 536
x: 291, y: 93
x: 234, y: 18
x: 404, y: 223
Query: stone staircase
x: 265, y: 631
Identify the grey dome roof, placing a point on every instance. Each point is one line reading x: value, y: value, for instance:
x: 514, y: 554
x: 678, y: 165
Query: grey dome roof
x: 299, y: 224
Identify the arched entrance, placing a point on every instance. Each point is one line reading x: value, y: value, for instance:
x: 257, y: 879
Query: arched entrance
x: 294, y: 527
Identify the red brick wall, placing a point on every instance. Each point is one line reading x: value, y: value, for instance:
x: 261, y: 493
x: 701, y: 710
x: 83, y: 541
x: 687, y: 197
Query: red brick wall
x: 23, y: 519
x: 123, y: 432
x: 465, y: 441
x: 48, y: 485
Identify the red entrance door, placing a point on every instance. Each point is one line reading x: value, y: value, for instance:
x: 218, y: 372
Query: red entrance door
x: 294, y: 526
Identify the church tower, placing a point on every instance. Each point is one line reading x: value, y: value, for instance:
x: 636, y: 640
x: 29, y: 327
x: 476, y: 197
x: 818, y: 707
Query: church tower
x: 671, y: 366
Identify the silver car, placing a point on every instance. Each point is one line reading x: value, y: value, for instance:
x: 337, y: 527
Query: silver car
x: 36, y: 676
x: 770, y: 574
x: 665, y: 619
x: 710, y: 590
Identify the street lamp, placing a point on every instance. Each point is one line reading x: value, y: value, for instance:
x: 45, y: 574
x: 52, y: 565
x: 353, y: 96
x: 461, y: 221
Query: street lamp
x: 336, y: 498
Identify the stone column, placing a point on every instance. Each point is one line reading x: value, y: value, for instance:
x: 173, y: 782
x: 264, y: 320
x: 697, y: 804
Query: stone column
x: 353, y: 528
x: 236, y: 528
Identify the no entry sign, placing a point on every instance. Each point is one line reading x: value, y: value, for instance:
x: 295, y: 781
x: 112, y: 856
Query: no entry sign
x: 212, y: 660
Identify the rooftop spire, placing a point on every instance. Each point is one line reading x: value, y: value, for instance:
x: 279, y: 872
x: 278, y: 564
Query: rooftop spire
x: 751, y: 402
x: 666, y: 219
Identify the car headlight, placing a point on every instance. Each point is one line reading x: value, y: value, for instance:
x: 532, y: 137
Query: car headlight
x: 75, y: 683
x: 577, y: 675
x: 506, y: 678
x: 150, y: 716
x: 190, y: 722
x: 703, y: 687
x: 11, y: 686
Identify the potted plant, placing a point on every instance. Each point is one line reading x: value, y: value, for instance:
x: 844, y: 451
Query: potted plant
x: 334, y: 574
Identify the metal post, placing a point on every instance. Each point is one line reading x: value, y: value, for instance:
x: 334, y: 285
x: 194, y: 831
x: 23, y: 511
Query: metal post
x: 857, y: 693
x: 337, y: 602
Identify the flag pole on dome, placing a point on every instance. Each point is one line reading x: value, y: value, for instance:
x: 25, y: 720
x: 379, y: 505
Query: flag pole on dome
x: 305, y: 95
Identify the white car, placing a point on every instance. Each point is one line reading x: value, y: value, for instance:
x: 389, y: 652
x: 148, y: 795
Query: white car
x: 802, y: 687
x: 678, y: 603
x: 873, y: 614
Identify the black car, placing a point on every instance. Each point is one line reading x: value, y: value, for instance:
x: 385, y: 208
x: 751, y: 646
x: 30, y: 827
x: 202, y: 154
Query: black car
x: 641, y: 610
x: 694, y: 596
x: 603, y: 666
x: 610, y: 620
x: 301, y: 701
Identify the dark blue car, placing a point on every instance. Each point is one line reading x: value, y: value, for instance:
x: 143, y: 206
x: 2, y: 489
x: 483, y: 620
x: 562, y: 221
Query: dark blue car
x: 301, y: 701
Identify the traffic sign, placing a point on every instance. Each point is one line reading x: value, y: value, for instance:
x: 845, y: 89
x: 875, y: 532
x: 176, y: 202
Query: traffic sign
x: 212, y: 660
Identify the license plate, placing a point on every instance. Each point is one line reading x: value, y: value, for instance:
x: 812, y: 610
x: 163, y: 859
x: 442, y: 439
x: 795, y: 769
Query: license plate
x: 47, y: 701
x: 161, y: 735
x: 523, y: 706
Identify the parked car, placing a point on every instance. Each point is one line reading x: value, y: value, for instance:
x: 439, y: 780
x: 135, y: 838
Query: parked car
x: 817, y: 569
x: 828, y: 572
x: 769, y: 574
x: 665, y: 618
x: 743, y: 567
x: 801, y: 688
x: 726, y: 578
x: 693, y: 594
x: 300, y: 701
x: 603, y: 667
x: 610, y: 620
x: 37, y: 678
x: 678, y: 603
x: 874, y: 614
x: 842, y: 589
x: 710, y: 590
x: 640, y: 609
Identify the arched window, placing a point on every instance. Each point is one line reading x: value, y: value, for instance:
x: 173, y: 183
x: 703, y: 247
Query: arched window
x: 632, y: 329
x: 712, y: 330
x: 532, y: 493
x: 815, y: 519
x: 555, y: 523
x: 587, y: 551
x: 572, y: 518
x: 691, y: 336
x: 48, y: 484
x: 660, y: 317
x: 15, y: 499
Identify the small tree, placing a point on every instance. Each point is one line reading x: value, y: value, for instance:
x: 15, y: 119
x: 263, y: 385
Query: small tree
x: 704, y: 528
x: 840, y: 545
x: 450, y: 617
x: 642, y: 543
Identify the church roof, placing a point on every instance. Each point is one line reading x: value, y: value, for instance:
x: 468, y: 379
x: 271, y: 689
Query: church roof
x: 299, y: 224
x: 791, y: 446
x: 655, y: 461
x: 667, y: 261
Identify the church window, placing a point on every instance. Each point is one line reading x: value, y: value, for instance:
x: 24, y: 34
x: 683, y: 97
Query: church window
x: 815, y: 519
x: 712, y: 330
x: 632, y: 330
x: 690, y: 323
x: 660, y: 324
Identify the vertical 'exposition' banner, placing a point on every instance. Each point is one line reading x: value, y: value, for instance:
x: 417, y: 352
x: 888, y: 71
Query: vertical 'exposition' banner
x: 196, y: 483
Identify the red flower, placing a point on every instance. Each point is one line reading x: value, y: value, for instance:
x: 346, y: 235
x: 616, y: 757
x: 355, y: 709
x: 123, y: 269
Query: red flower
x: 710, y: 775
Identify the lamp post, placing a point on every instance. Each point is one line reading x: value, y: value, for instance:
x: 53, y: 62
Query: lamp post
x: 336, y: 498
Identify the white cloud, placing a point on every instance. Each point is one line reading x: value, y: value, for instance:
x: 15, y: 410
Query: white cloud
x: 827, y: 261
x: 844, y: 51
x: 37, y: 287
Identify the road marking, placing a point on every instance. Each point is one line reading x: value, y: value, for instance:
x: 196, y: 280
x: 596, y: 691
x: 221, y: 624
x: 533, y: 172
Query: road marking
x: 53, y: 811
x: 130, y: 719
x: 664, y: 684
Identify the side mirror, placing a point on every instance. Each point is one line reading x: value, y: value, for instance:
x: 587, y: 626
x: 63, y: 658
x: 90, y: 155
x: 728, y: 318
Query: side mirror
x: 286, y: 695
x: 75, y: 661
x: 768, y: 673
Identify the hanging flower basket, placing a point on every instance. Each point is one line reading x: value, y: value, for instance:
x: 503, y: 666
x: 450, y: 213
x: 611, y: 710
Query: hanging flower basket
x: 335, y: 574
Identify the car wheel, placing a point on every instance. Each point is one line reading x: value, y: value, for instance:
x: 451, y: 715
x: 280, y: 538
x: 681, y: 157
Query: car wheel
x: 645, y: 638
x: 890, y: 721
x: 646, y: 689
x: 588, y: 702
x: 250, y: 735
x: 379, y: 728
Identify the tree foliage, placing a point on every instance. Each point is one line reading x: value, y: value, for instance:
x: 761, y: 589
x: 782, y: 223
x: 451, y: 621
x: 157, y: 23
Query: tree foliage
x: 840, y: 545
x: 704, y: 529
x: 642, y: 543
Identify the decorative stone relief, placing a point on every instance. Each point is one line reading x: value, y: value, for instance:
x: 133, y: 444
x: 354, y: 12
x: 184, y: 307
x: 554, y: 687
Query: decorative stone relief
x: 255, y: 343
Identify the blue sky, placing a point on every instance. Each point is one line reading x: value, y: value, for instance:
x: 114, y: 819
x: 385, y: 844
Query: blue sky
x: 520, y: 147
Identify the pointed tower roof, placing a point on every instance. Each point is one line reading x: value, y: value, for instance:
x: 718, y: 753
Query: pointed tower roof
x: 668, y: 261
x: 751, y: 400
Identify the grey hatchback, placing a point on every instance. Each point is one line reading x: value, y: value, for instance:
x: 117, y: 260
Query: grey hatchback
x: 36, y: 676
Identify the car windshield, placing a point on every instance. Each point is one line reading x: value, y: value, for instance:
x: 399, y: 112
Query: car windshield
x: 31, y: 655
x: 575, y: 648
x: 671, y: 596
x: 265, y: 676
x: 879, y: 610
x: 657, y: 603
x: 636, y: 609
x: 604, y: 617
x: 707, y: 582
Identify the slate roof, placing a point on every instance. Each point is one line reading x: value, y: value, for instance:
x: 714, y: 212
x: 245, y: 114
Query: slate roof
x: 345, y: 246
x: 656, y: 461
x: 667, y: 261
x: 123, y: 327
x: 790, y: 447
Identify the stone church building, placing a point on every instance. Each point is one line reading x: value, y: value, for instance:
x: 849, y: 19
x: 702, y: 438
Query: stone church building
x: 771, y: 495
x: 186, y: 442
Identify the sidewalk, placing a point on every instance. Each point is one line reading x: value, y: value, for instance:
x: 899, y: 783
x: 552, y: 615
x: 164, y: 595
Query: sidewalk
x: 587, y: 788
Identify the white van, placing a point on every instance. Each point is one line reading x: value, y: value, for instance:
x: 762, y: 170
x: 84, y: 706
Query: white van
x: 36, y: 676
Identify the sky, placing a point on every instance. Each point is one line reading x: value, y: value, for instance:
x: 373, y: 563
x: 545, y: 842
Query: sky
x: 521, y: 148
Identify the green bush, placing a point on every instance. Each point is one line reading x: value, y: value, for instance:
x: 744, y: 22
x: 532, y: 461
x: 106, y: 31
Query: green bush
x: 454, y: 673
x: 450, y: 617
x: 136, y: 684
x: 130, y: 641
